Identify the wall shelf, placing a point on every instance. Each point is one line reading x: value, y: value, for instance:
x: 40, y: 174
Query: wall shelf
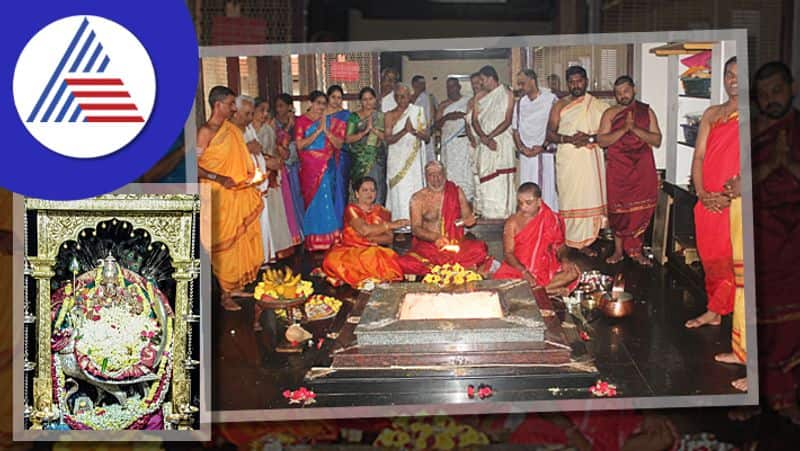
x: 682, y: 48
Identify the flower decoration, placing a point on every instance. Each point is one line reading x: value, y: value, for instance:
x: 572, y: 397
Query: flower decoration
x: 317, y: 307
x: 115, y: 338
x: 603, y: 389
x: 483, y: 391
x: 302, y: 396
x: 584, y: 336
x: 320, y: 307
x: 435, y: 433
x: 446, y: 275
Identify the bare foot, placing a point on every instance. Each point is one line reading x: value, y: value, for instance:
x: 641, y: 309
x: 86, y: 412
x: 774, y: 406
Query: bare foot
x: 615, y: 258
x: 588, y: 251
x: 228, y: 303
x: 744, y: 413
x: 728, y: 357
x: 710, y: 318
x: 642, y: 260
x: 740, y: 384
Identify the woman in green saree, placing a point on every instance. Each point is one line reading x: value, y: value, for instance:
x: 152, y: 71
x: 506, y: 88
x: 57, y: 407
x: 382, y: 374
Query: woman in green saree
x: 365, y: 137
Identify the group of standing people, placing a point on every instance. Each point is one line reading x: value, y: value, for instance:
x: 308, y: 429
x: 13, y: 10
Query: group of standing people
x: 279, y: 180
x: 289, y: 177
x: 716, y: 174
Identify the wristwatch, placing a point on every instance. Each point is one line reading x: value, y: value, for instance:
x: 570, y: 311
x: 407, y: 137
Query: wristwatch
x: 592, y: 139
x: 211, y: 176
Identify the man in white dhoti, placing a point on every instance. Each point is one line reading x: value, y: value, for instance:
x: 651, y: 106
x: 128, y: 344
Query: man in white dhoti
x: 490, y: 122
x: 425, y: 100
x: 580, y: 166
x: 260, y: 139
x: 529, y: 125
x: 405, y: 135
x: 389, y: 77
x: 243, y: 119
x: 455, y: 148
x: 477, y: 87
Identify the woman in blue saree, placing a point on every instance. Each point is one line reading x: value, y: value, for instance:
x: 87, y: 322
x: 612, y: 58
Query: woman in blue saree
x: 318, y: 138
x: 343, y: 159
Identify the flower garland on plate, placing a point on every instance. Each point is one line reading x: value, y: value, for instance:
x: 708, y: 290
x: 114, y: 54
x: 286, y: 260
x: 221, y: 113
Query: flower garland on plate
x: 446, y: 275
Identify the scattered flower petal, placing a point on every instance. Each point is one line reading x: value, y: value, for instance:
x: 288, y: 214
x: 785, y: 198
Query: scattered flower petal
x: 603, y: 389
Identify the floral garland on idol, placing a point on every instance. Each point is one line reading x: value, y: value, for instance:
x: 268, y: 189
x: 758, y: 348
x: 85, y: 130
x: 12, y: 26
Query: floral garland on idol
x: 116, y: 337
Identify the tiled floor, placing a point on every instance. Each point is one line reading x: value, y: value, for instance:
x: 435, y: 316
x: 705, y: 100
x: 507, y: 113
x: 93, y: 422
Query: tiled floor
x: 647, y: 354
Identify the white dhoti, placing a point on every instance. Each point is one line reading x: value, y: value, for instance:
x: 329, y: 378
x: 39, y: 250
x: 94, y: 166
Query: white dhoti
x: 263, y: 188
x: 275, y: 232
x: 456, y: 154
x: 405, y: 164
x: 541, y: 170
x: 426, y: 102
x: 388, y: 103
x: 581, y: 174
x: 496, y: 193
x: 530, y: 121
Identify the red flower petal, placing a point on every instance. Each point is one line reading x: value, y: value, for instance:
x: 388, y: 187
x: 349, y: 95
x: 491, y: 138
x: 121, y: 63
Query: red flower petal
x: 471, y: 391
x: 287, y: 393
x: 584, y: 336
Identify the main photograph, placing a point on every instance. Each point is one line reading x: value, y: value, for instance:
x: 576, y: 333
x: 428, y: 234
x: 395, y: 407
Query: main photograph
x: 477, y: 225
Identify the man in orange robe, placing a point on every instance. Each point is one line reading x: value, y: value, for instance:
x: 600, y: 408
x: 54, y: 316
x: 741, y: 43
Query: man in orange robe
x: 439, y: 213
x: 532, y: 240
x: 715, y: 164
x: 225, y: 164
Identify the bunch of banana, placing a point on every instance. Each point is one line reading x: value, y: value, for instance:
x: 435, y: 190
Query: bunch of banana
x: 282, y: 284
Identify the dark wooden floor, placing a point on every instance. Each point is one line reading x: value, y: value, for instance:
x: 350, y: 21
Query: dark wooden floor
x: 647, y: 354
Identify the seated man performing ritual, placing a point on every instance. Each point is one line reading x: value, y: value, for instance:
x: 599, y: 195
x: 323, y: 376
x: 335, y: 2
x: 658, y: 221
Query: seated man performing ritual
x: 439, y: 214
x: 533, y: 241
x: 359, y: 256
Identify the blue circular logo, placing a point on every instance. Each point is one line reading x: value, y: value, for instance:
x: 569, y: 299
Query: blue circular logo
x: 101, y: 91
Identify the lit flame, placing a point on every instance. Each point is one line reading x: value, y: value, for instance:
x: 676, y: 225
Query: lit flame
x: 454, y: 248
x: 258, y: 177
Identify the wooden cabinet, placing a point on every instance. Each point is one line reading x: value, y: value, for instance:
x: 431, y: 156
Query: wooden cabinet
x: 680, y: 248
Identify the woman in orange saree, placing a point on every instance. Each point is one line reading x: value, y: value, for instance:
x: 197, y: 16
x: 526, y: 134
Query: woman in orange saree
x: 359, y: 257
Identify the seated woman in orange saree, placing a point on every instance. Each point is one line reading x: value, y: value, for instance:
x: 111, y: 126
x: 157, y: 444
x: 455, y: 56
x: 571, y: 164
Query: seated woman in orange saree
x: 359, y: 257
